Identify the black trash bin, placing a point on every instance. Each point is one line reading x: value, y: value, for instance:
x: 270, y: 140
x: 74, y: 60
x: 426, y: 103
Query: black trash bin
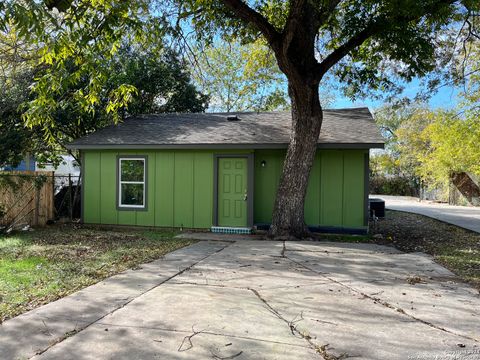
x: 377, y: 207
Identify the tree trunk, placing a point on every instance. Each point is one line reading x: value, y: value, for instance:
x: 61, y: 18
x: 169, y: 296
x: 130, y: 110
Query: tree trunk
x: 288, y: 215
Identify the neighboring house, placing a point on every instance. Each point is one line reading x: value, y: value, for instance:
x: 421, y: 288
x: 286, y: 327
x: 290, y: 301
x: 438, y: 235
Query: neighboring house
x: 67, y: 170
x: 221, y: 171
x: 27, y: 164
x: 67, y: 166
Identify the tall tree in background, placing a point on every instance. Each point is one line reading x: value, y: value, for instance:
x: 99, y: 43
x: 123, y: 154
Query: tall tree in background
x: 15, y: 139
x: 161, y: 81
x: 366, y: 44
x: 437, y: 146
x: 240, y: 77
x: 17, y: 59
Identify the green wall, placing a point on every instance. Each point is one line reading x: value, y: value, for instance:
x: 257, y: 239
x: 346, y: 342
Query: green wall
x: 180, y: 188
x: 183, y: 195
x: 335, y: 195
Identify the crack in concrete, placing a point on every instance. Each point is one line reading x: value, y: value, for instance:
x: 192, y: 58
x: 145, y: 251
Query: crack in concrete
x: 320, y: 251
x: 284, y: 248
x: 88, y: 324
x: 319, y: 349
x: 208, y: 285
x: 206, y: 332
x: 386, y: 304
x: 244, y: 287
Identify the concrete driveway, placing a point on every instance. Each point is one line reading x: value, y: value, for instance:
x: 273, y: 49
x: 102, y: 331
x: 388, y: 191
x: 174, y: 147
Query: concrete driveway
x: 464, y: 216
x: 260, y: 300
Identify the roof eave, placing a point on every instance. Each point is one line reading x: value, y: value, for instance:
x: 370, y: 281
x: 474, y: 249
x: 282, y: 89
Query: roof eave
x: 373, y: 145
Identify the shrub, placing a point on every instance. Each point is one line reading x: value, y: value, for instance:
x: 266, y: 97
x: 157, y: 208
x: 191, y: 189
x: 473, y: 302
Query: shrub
x: 393, y: 185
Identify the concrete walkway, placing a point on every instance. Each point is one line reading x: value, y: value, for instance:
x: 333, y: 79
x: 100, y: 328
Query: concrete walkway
x: 260, y: 300
x: 463, y: 216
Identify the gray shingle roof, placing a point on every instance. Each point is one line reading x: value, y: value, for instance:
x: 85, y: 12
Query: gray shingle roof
x: 341, y: 128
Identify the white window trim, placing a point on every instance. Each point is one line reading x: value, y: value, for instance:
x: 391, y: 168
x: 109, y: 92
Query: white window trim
x: 120, y: 182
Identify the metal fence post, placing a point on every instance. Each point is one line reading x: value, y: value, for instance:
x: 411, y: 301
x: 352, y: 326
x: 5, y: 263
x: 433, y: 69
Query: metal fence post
x: 70, y: 195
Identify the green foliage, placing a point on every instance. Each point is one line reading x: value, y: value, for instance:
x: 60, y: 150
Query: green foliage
x: 428, y: 145
x: 76, y: 46
x: 453, y: 147
x: 76, y: 100
x: 162, y: 82
x: 240, y: 77
x: 400, y: 39
x: 470, y: 106
x: 401, y: 127
x: 77, y: 38
x: 15, y: 139
x: 393, y: 185
x: 16, y: 75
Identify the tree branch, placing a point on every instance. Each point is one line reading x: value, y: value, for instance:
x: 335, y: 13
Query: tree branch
x: 340, y: 52
x: 249, y: 15
x: 371, y: 29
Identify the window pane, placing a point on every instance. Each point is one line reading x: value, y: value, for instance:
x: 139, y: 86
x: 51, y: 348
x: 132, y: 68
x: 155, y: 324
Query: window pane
x: 132, y: 194
x: 132, y: 170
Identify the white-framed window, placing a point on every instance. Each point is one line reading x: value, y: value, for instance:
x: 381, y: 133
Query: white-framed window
x: 131, y: 182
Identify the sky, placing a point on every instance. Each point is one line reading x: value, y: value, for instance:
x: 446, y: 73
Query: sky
x: 445, y: 98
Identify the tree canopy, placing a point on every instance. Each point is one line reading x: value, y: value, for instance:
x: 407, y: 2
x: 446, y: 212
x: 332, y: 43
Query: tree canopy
x: 160, y: 80
x: 240, y: 77
x: 431, y: 145
x: 366, y: 44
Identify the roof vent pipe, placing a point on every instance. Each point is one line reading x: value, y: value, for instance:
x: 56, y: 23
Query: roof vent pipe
x: 233, y: 118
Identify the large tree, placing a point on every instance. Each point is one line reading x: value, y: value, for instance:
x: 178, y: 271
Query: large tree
x: 367, y: 44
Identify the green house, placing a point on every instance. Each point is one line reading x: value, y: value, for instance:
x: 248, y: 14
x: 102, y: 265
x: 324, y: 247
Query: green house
x: 220, y: 171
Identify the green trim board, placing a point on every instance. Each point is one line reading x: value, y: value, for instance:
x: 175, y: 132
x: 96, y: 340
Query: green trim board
x: 181, y: 187
x: 366, y: 188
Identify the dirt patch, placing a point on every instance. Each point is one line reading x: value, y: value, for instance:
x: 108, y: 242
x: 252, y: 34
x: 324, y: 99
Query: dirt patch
x: 455, y: 248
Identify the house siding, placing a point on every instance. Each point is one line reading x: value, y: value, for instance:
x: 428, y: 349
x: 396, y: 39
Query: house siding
x: 335, y: 193
x: 180, y: 188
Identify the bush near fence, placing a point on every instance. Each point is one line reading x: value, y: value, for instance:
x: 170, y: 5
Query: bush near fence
x: 393, y: 185
x: 26, y: 198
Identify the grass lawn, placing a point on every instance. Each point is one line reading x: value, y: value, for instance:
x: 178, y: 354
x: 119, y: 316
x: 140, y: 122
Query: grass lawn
x: 455, y: 248
x: 40, y: 266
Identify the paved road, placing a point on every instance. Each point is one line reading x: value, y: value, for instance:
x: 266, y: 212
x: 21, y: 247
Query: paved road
x: 463, y: 216
x: 260, y: 300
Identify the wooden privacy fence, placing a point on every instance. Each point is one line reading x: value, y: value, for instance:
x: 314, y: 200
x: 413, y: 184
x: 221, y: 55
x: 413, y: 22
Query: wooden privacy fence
x: 26, y: 198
